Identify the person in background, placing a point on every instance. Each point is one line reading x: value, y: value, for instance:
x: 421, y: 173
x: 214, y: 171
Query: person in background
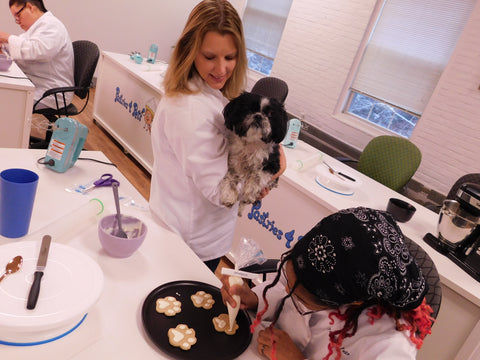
x: 349, y: 289
x: 207, y: 69
x: 44, y: 51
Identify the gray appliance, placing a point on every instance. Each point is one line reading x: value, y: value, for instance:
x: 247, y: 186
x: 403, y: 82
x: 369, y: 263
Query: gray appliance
x: 459, y: 230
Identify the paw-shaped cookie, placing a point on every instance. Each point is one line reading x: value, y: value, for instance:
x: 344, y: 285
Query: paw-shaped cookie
x: 182, y: 336
x: 221, y: 324
x: 202, y: 299
x: 168, y: 306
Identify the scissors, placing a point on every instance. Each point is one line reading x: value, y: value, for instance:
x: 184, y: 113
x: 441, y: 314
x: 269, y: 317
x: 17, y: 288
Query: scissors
x: 105, y: 180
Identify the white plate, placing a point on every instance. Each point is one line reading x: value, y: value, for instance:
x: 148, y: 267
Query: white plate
x: 336, y: 183
x: 71, y: 284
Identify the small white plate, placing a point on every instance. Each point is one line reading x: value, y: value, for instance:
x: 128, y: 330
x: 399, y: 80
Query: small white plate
x: 71, y: 284
x: 336, y: 183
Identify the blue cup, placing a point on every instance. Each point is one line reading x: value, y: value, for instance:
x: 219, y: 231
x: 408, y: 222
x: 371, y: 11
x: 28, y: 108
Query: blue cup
x: 17, y: 195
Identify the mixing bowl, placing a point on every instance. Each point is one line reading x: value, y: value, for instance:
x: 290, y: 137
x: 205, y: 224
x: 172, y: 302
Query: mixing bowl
x: 5, y: 62
x: 117, y: 246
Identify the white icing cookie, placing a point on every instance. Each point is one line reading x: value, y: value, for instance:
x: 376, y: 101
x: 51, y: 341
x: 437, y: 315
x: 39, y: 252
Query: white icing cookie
x: 168, y: 306
x: 221, y: 324
x: 202, y: 299
x: 182, y: 336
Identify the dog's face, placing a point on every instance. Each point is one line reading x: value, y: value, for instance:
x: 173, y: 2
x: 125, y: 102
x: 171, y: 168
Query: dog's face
x: 256, y: 118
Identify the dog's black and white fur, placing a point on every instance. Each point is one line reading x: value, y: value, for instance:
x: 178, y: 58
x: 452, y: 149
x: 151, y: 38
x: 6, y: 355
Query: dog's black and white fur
x: 256, y: 125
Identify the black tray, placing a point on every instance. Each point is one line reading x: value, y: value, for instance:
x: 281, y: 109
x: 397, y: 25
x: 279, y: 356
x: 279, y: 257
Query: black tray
x: 210, y: 344
x: 470, y: 263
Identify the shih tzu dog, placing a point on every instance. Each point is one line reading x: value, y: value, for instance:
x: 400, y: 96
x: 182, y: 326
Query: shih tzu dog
x: 256, y: 125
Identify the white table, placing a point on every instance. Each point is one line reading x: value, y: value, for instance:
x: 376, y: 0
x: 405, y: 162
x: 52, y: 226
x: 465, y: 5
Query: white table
x: 299, y: 203
x: 124, y: 91
x: 16, y: 104
x: 113, y: 328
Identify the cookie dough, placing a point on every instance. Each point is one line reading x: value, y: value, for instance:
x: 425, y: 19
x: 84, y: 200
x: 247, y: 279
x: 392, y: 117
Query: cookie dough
x: 221, y: 324
x: 182, y: 336
x: 202, y: 299
x: 168, y: 306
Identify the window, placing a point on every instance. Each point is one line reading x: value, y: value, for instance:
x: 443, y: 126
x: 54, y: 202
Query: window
x: 263, y: 23
x: 408, y: 50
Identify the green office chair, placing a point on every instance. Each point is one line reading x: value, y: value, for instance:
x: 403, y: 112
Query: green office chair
x: 390, y: 160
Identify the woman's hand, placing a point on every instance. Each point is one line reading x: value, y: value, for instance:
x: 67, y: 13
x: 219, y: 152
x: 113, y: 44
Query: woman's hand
x: 283, y: 167
x: 248, y: 299
x: 285, y: 347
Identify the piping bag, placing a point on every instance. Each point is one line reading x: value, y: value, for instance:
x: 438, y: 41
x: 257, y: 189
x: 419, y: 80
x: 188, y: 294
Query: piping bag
x: 246, y: 253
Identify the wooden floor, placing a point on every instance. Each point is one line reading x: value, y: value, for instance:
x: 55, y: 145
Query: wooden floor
x: 98, y: 139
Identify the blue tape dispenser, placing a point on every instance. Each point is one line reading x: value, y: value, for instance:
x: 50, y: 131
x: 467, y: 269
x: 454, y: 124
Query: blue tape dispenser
x: 294, y: 127
x: 66, y: 144
x: 152, y: 54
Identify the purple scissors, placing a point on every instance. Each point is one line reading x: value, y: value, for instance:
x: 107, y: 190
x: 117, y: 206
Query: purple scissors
x: 105, y: 180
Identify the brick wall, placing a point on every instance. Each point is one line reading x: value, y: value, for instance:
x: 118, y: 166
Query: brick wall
x: 318, y: 48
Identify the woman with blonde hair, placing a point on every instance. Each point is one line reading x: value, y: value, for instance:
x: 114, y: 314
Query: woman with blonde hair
x: 207, y: 69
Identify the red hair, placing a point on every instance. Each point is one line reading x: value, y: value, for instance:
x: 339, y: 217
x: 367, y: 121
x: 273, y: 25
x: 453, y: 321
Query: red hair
x: 418, y: 322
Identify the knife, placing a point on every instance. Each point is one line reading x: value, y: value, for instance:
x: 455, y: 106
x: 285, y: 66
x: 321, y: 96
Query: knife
x: 338, y: 173
x: 41, y: 263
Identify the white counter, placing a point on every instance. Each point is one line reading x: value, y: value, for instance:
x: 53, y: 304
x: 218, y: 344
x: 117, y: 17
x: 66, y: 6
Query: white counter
x: 113, y: 328
x: 16, y: 103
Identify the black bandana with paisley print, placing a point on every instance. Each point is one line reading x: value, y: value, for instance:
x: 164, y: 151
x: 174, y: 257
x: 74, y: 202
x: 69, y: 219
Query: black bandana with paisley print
x: 359, y: 254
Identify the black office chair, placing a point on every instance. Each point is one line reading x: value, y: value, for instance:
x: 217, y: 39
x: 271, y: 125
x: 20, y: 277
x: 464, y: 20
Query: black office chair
x: 271, y: 87
x: 86, y: 55
x: 434, y: 294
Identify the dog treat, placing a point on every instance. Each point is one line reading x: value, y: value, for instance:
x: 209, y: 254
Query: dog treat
x: 168, y: 306
x: 233, y: 311
x: 182, y: 336
x: 221, y: 324
x: 202, y: 299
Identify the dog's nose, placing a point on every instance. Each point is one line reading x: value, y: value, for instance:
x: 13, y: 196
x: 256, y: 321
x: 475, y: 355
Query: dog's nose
x: 258, y: 118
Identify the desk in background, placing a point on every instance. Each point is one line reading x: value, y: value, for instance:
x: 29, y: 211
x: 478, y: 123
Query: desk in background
x: 298, y: 203
x: 125, y: 93
x: 16, y: 103
x: 113, y: 328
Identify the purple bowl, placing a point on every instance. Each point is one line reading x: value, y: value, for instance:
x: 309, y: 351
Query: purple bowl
x: 5, y: 62
x: 117, y: 246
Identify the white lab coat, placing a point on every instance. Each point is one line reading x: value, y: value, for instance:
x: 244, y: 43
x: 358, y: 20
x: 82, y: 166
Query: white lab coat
x: 190, y: 160
x: 45, y: 54
x: 380, y: 341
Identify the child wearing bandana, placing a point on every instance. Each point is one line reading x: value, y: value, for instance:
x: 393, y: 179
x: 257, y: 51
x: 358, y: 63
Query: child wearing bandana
x: 349, y: 289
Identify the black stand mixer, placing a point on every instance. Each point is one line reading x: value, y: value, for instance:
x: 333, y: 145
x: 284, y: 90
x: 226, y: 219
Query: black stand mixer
x: 459, y: 230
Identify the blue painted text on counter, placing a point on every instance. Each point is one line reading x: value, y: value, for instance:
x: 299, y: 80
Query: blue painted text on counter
x: 131, y: 106
x: 262, y: 219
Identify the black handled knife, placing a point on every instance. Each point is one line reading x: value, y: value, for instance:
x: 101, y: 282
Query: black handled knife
x: 37, y: 277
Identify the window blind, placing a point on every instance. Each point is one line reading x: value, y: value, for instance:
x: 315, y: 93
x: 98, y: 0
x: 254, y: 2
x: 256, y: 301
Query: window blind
x: 410, y: 46
x: 263, y: 22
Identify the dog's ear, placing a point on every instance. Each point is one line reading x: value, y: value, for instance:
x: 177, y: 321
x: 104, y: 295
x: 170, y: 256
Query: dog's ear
x: 231, y: 110
x: 278, y: 121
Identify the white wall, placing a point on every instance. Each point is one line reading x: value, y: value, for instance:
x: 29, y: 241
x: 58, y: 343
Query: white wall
x: 119, y: 25
x: 319, y: 45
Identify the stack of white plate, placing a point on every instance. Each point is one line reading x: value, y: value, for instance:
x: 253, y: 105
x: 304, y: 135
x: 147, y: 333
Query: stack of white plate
x: 71, y: 285
x: 335, y: 182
